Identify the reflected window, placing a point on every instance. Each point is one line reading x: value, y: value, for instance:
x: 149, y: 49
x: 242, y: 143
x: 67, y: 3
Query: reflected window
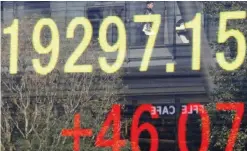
x: 96, y: 16
x: 116, y: 11
x: 39, y: 8
x: 182, y: 32
x: 171, y: 32
x: 1, y: 11
x: 174, y: 31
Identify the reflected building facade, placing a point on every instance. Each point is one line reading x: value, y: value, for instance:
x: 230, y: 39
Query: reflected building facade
x: 173, y: 45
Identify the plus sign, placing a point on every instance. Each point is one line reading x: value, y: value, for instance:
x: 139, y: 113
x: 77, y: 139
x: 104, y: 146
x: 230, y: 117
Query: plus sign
x: 77, y: 132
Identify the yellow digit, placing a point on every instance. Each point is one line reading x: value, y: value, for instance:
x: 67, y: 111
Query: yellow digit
x: 53, y: 47
x: 13, y: 31
x: 195, y: 24
x: 70, y: 66
x: 156, y: 20
x: 224, y: 35
x: 120, y: 45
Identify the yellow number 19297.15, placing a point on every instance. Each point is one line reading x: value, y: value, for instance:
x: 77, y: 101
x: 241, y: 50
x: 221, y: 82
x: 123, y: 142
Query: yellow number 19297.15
x: 120, y: 45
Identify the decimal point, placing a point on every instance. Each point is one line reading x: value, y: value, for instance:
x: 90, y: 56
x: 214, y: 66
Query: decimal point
x: 170, y: 67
